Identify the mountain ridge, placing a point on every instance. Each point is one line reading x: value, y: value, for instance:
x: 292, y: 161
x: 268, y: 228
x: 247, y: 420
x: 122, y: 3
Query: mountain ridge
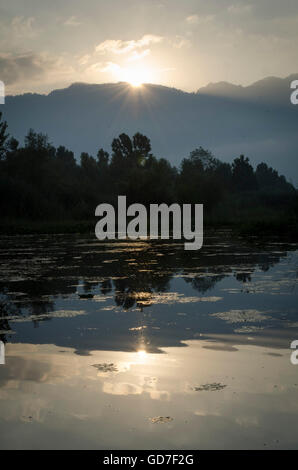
x: 257, y: 120
x: 210, y: 85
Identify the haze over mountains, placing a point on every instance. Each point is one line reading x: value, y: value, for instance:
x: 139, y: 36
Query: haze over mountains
x: 258, y: 120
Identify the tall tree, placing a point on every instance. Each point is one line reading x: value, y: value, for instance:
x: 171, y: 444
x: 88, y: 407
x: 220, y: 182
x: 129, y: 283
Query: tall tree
x: 243, y: 174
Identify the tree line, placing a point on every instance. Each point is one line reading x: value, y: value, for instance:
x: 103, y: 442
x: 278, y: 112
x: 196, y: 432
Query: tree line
x: 41, y: 182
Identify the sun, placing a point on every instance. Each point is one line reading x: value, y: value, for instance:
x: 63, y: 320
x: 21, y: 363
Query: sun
x: 136, y: 77
x: 135, y: 82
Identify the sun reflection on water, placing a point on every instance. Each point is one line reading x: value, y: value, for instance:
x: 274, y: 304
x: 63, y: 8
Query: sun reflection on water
x: 142, y: 356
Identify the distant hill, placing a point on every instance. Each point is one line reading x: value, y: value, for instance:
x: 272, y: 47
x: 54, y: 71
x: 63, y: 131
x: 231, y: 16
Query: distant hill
x: 270, y: 90
x: 257, y: 120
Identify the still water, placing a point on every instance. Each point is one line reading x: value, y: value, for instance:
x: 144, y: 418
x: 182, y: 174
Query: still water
x: 126, y: 345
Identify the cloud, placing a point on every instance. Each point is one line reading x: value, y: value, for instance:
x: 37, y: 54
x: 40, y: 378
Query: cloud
x: 138, y: 55
x: 14, y: 68
x: 83, y: 60
x: 192, y: 19
x: 238, y: 9
x: 111, y: 67
x: 148, y: 39
x: 117, y: 46
x: 20, y: 68
x: 72, y: 21
x: 23, y: 27
x: 196, y: 19
x: 180, y: 42
x: 114, y: 46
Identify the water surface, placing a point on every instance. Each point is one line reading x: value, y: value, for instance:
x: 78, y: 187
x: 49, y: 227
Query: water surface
x: 144, y: 345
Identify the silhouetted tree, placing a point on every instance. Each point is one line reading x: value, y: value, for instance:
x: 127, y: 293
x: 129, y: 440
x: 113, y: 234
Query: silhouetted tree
x: 65, y: 156
x: 243, y: 174
x: 41, y: 182
x: 102, y: 160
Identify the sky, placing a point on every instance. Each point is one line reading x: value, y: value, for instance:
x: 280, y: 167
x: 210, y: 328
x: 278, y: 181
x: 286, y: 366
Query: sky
x: 184, y: 44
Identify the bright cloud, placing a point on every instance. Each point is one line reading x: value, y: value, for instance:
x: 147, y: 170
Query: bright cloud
x: 117, y: 46
x: 84, y: 59
x: 196, y: 19
x: 72, y: 21
x: 109, y: 67
x: 138, y: 55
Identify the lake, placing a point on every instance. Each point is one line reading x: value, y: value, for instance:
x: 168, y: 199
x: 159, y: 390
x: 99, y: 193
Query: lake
x: 143, y: 345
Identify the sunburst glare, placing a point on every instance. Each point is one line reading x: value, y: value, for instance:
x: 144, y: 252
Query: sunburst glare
x: 137, y: 76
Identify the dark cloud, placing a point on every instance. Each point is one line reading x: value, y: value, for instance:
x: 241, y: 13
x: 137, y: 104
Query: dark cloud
x: 17, y: 68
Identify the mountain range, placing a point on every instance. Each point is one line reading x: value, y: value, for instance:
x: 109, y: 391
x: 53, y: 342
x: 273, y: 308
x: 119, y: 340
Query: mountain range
x: 257, y: 120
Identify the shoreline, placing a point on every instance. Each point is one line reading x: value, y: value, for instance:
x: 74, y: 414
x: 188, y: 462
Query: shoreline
x: 255, y: 227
